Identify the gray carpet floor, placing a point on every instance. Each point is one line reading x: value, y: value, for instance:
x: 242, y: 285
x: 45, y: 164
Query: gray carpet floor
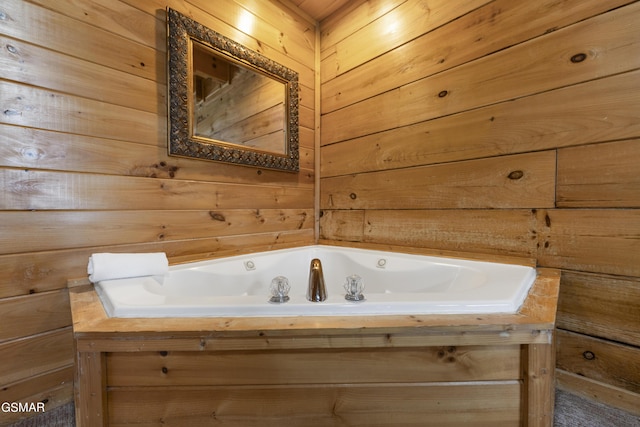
x: 575, y: 411
x: 570, y: 411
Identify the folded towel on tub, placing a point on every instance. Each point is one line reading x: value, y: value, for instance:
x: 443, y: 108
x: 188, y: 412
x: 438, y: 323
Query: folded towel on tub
x: 106, y: 266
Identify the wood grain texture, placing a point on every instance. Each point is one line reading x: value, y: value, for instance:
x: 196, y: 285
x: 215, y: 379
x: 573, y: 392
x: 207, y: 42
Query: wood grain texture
x: 601, y: 175
x: 505, y: 78
x: 346, y: 366
x: 503, y: 232
x: 482, y: 31
x: 82, y: 88
x: 594, y: 111
x: 600, y: 305
x: 484, y: 404
x: 600, y: 360
x: 45, y: 230
x: 53, y: 388
x: 35, y: 355
x: 34, y: 314
x: 84, y: 165
x: 518, y: 181
x: 594, y: 240
x: 539, y: 364
x: 90, y: 383
x: 544, y: 64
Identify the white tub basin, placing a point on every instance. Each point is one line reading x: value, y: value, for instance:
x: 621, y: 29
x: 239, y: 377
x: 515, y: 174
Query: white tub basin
x: 395, y: 283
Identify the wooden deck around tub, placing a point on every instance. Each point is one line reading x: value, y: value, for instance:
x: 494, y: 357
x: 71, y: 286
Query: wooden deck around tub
x: 329, y: 371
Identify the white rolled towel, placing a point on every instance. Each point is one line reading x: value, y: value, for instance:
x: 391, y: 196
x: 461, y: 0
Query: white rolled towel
x: 106, y: 266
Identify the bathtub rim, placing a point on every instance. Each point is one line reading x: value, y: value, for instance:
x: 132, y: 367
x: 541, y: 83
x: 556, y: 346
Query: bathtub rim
x: 538, y: 311
x: 117, y: 306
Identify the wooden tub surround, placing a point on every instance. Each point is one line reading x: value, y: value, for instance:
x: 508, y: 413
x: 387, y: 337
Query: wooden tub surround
x: 445, y: 370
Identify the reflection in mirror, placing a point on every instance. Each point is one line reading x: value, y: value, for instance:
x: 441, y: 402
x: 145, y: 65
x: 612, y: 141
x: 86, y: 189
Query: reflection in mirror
x: 234, y: 103
x: 228, y: 103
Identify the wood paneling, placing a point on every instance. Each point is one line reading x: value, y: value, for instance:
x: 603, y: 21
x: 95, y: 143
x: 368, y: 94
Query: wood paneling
x: 600, y: 305
x: 518, y: 181
x: 455, y: 363
x: 36, y: 355
x: 594, y: 240
x: 396, y: 27
x: 409, y: 127
x: 600, y: 175
x: 54, y: 389
x: 417, y: 101
x: 607, y: 362
x: 84, y: 165
x: 481, y: 31
x: 33, y: 314
x: 500, y: 232
x: 484, y: 404
x: 558, y: 59
x: 594, y: 111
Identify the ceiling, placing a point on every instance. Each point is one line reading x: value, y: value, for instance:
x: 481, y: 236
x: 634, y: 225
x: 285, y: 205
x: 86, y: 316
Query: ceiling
x: 319, y: 9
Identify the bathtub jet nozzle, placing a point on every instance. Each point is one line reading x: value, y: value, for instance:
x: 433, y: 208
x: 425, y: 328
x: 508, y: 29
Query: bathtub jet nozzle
x: 316, y: 291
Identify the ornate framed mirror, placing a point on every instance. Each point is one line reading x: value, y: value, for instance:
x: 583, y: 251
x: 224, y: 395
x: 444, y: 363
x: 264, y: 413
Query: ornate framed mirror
x: 228, y: 103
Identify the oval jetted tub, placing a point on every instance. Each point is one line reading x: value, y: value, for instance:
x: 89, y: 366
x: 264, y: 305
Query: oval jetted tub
x: 394, y: 283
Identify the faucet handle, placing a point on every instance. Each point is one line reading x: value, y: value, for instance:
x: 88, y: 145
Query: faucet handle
x: 354, y: 287
x: 280, y: 289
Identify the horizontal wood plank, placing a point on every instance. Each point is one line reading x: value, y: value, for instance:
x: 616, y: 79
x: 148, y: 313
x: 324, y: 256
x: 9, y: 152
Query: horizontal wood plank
x: 29, y: 64
x: 40, y: 190
x: 48, y: 230
x: 342, y: 225
x: 316, y: 366
x: 590, y: 240
x: 600, y: 305
x: 40, y: 149
x: 518, y: 181
x: 120, y: 18
x: 46, y: 109
x: 502, y: 232
x: 310, y: 343
x: 600, y: 360
x: 103, y: 46
x: 600, y: 175
x: 484, y: 404
x: 34, y: 314
x: 27, y: 357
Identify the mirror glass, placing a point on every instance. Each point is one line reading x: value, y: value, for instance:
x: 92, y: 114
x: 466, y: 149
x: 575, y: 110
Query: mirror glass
x: 228, y: 103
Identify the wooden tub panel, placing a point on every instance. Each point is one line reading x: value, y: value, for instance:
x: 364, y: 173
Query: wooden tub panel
x: 443, y: 404
x: 445, y: 363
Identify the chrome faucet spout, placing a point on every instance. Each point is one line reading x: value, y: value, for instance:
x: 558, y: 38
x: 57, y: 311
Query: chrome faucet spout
x: 317, y: 291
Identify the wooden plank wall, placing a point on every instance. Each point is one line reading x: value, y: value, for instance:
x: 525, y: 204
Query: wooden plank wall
x: 498, y: 127
x: 83, y: 164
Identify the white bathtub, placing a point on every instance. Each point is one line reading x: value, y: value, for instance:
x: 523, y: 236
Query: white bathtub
x: 395, y: 283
